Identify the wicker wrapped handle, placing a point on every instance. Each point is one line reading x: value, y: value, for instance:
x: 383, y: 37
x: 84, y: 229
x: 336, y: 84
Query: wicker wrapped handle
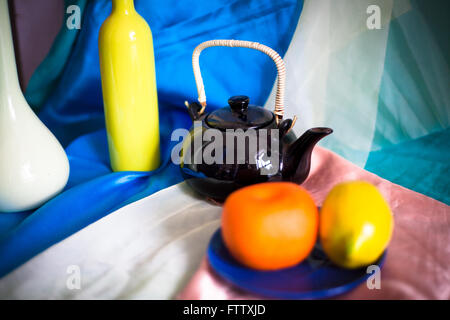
x: 279, y: 100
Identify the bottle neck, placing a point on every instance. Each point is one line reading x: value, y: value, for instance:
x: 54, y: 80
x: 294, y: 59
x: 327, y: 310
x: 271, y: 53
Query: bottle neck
x: 9, y: 80
x: 123, y: 6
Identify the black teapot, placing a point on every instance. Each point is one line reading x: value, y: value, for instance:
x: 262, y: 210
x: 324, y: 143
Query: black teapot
x: 242, y: 144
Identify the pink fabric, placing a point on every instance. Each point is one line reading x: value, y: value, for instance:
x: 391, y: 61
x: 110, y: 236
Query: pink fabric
x: 418, y: 260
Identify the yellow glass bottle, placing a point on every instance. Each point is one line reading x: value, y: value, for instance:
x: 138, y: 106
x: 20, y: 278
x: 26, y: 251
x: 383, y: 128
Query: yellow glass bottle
x: 129, y: 89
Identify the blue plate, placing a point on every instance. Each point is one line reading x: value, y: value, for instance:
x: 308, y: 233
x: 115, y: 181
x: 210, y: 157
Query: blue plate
x: 314, y: 278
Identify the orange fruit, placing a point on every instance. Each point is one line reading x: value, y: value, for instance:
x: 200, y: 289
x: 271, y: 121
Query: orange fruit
x: 269, y: 226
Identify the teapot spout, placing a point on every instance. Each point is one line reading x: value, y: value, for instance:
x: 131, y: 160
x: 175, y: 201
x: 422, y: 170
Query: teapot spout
x: 297, y: 157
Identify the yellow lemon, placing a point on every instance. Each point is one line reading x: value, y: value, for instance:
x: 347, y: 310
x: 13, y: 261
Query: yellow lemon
x: 355, y: 225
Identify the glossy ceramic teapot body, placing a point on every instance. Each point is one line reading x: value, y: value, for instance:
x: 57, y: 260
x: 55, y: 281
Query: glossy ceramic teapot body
x: 219, y: 157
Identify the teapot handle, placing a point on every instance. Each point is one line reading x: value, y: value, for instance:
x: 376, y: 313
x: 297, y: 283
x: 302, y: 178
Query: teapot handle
x: 279, y: 100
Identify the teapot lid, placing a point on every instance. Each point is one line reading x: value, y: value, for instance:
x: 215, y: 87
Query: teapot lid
x: 240, y: 115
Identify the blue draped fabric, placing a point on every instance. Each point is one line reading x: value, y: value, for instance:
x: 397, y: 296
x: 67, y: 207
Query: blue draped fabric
x: 45, y: 78
x: 73, y: 110
x: 75, y: 107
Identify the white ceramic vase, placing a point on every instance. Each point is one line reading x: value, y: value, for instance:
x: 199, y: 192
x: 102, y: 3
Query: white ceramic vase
x: 33, y: 165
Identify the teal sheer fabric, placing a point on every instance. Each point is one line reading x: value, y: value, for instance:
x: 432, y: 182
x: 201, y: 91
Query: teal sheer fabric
x: 414, y: 97
x: 374, y: 87
x: 411, y: 143
x: 421, y: 164
x: 46, y: 76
